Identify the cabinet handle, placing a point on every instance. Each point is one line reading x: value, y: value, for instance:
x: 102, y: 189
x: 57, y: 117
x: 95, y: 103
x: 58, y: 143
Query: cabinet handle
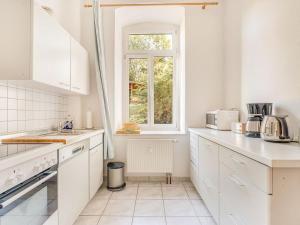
x: 233, y: 219
x: 238, y: 161
x: 236, y: 181
x: 207, y: 185
x: 74, y: 151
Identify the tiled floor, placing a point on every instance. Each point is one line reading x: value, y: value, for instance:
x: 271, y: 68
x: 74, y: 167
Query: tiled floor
x: 147, y: 204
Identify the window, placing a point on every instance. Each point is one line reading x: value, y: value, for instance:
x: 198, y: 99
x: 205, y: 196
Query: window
x: 150, y: 56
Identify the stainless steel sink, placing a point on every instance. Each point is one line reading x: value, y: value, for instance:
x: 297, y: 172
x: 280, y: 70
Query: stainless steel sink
x: 67, y: 133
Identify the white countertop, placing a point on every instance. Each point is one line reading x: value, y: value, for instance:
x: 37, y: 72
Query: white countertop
x: 268, y: 153
x: 16, y: 159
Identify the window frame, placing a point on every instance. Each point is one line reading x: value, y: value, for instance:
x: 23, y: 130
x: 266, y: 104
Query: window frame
x: 152, y: 28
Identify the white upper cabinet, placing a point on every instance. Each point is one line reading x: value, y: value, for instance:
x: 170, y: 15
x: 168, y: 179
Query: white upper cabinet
x: 34, y: 47
x: 79, y: 68
x: 51, y: 51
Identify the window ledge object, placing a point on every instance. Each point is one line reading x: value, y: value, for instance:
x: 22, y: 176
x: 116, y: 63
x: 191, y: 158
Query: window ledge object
x: 149, y: 133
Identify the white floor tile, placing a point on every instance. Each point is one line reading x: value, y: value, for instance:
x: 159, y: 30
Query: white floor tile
x: 179, y: 208
x: 207, y: 221
x: 188, y: 184
x: 150, y: 184
x: 192, y: 193
x: 126, y: 194
x: 149, y: 221
x: 115, y: 220
x: 149, y: 193
x: 174, y: 184
x: 103, y: 193
x: 95, y: 207
x: 183, y: 221
x: 174, y: 193
x: 200, y: 208
x: 119, y: 208
x: 132, y: 183
x: 149, y: 208
x: 87, y: 220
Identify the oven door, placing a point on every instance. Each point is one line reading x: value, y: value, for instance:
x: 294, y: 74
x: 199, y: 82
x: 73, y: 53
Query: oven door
x: 33, y: 202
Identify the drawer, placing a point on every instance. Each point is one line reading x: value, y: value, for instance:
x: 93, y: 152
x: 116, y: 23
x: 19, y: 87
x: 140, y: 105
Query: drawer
x: 228, y: 216
x: 194, y: 174
x: 250, y: 171
x: 209, y: 161
x: 194, y: 148
x: 248, y: 204
x: 210, y: 196
x: 96, y: 140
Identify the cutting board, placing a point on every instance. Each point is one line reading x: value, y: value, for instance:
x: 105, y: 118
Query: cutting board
x: 35, y: 140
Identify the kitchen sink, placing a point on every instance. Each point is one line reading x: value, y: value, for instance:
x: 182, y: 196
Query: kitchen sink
x: 67, y: 133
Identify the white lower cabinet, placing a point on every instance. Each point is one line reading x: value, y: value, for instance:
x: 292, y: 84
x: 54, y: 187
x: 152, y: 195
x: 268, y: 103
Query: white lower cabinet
x: 236, y: 190
x: 249, y: 205
x: 96, y: 169
x: 73, y: 185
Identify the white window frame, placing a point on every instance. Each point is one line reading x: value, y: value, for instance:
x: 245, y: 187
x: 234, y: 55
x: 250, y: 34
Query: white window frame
x: 152, y: 28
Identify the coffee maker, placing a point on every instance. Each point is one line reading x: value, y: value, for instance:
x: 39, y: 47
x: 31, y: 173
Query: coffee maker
x: 256, y: 113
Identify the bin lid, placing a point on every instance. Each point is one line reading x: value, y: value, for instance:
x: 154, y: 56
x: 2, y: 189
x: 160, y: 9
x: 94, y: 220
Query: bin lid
x: 115, y: 165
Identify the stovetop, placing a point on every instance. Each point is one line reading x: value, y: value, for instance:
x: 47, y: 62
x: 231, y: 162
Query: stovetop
x: 7, y: 150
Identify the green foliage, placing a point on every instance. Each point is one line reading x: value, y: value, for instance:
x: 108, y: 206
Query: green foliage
x: 163, y: 81
x: 150, y: 42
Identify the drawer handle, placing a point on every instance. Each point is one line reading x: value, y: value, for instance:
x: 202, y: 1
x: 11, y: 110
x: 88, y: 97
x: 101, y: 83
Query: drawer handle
x: 237, y: 182
x: 238, y: 161
x: 207, y: 185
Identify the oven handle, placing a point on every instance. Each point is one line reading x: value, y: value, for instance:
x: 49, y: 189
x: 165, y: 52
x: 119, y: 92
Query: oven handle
x: 25, y: 191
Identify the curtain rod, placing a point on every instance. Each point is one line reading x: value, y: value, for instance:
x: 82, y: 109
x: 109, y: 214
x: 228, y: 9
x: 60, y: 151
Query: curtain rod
x: 203, y: 4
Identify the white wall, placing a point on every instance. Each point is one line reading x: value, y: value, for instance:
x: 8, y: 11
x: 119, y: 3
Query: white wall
x: 232, y: 53
x: 204, y: 73
x: 271, y: 55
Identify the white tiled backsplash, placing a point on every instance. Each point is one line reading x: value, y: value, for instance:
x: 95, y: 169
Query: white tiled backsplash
x: 26, y: 109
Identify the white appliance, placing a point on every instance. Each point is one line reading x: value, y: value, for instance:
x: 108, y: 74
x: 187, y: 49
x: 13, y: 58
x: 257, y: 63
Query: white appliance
x: 221, y: 119
x: 28, y: 191
x: 96, y: 164
x: 73, y: 181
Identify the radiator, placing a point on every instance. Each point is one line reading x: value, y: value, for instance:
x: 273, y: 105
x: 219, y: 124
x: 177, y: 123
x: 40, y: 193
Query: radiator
x: 150, y: 155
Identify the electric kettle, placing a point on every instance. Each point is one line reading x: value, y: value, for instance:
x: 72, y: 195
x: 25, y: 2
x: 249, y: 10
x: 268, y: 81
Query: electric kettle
x: 275, y: 129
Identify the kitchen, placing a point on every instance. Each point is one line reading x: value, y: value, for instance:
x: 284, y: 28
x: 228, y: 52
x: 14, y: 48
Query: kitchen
x: 222, y: 55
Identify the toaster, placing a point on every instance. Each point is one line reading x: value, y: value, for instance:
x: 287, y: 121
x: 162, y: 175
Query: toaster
x: 275, y: 129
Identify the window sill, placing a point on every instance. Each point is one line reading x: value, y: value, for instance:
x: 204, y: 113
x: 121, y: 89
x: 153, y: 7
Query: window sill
x: 149, y: 133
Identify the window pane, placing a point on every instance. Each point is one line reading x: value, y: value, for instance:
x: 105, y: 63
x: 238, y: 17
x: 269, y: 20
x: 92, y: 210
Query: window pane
x: 163, y: 90
x: 138, y: 91
x: 150, y: 42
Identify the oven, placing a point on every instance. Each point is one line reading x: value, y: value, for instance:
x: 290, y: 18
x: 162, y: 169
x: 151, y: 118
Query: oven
x: 33, y: 202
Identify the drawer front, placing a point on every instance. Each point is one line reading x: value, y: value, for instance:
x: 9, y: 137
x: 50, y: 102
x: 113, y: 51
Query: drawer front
x: 209, y: 162
x: 210, y: 196
x: 250, y: 171
x: 194, y: 175
x: 96, y: 140
x: 228, y: 216
x: 194, y: 148
x: 248, y: 204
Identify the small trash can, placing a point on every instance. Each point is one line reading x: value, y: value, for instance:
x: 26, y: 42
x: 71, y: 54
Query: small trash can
x: 115, y: 176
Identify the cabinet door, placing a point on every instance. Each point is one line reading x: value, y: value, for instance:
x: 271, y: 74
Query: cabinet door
x: 73, y: 188
x: 51, y: 50
x: 79, y: 69
x: 96, y: 169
